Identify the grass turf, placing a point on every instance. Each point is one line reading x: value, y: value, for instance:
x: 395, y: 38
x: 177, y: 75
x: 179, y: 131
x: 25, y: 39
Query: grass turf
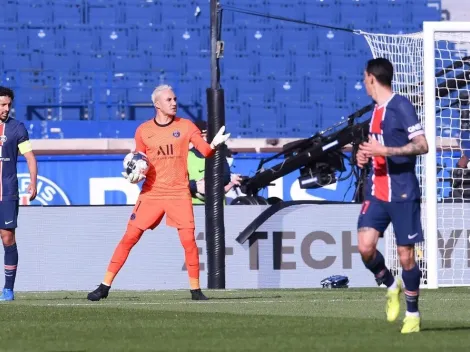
x: 238, y: 320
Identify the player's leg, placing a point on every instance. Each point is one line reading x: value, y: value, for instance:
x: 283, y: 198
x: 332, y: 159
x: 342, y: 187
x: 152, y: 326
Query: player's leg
x: 373, y: 221
x: 8, y: 221
x: 180, y: 215
x: 144, y: 216
x: 406, y: 219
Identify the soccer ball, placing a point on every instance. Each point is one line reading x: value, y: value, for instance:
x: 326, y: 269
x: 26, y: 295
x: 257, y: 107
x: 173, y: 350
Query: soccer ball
x: 136, y: 163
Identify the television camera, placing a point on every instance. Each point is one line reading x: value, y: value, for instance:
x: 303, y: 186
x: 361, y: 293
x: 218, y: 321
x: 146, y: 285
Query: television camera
x: 318, y: 158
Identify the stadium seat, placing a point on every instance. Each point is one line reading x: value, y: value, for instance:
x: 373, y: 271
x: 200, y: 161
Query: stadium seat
x: 109, y: 56
x: 302, y: 119
x: 191, y: 39
x: 43, y: 38
x: 34, y: 13
x: 68, y: 12
x: 11, y: 38
x: 9, y: 13
x: 178, y: 13
x: 114, y: 38
x: 144, y: 14
x: 82, y: 38
x: 17, y: 60
x: 102, y: 13
x: 59, y: 61
x: 152, y: 39
x: 123, y: 61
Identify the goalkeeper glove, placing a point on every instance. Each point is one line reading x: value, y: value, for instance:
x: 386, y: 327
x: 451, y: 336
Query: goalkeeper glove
x: 220, y: 138
x: 133, y: 177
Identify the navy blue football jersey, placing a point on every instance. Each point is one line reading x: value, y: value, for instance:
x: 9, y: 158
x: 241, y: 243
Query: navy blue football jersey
x: 394, y: 124
x: 12, y: 134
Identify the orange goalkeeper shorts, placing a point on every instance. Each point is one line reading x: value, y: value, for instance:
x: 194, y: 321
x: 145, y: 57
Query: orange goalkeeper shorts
x: 148, y: 213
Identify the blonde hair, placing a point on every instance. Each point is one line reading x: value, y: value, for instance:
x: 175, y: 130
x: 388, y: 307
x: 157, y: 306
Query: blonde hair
x: 156, y: 92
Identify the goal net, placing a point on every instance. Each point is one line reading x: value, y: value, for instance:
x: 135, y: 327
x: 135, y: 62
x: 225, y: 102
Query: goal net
x: 432, y: 69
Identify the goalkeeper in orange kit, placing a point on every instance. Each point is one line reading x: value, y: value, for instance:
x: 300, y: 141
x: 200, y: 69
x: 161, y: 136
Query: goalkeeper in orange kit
x: 165, y: 141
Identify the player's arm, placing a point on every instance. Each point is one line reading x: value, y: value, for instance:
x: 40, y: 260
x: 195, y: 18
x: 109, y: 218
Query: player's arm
x: 201, y: 145
x: 25, y: 148
x: 418, y: 144
x: 33, y: 173
x: 139, y: 142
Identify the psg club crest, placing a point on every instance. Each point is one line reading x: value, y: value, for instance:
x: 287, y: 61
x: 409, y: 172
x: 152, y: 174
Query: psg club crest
x: 176, y: 134
x: 3, y: 138
x: 49, y: 193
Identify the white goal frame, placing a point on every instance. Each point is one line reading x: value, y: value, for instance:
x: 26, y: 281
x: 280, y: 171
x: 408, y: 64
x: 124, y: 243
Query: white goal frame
x: 430, y: 159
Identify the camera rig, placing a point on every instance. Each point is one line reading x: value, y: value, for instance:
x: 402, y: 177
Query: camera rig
x: 318, y: 157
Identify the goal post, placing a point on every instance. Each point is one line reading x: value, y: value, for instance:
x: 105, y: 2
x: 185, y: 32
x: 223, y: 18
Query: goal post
x: 431, y: 70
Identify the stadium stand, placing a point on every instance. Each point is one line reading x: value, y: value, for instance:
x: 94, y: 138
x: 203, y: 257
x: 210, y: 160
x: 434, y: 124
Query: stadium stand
x: 98, y: 61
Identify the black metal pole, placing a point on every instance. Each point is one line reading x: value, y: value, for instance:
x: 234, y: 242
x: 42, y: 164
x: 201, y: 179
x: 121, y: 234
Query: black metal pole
x: 214, y: 197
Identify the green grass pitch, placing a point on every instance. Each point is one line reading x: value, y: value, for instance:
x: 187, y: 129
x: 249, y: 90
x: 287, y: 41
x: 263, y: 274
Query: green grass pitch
x: 233, y: 320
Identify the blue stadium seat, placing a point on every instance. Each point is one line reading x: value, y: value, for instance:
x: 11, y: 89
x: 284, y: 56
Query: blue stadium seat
x: 124, y: 61
x: 286, y: 89
x: 144, y: 14
x: 302, y: 118
x: 178, y: 13
x: 43, y: 38
x: 9, y: 13
x: 82, y: 38
x: 323, y: 12
x: 115, y: 38
x: 94, y: 61
x: 359, y: 14
x: 302, y: 40
x: 191, y: 62
x: 34, y: 13
x: 34, y: 95
x: 261, y: 38
x: 68, y: 12
x: 191, y: 39
x: 264, y: 119
x: 110, y: 55
x: 11, y: 38
x: 59, y: 61
x: 274, y: 64
x: 293, y: 9
x: 102, y: 13
x: 17, y: 60
x: 151, y: 39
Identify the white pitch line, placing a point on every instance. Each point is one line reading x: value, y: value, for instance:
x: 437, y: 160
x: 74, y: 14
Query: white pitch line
x: 215, y: 301
x: 105, y: 304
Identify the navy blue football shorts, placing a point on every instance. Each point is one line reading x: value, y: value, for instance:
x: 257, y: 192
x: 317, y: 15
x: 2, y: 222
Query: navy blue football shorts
x: 8, y: 214
x: 404, y: 216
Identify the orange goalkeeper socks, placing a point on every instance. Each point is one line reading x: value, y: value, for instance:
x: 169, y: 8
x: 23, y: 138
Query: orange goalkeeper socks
x: 191, y: 253
x: 130, y: 238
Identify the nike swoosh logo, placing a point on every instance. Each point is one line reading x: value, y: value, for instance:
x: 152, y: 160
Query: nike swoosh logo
x: 8, y: 222
x: 412, y: 236
x: 201, y: 170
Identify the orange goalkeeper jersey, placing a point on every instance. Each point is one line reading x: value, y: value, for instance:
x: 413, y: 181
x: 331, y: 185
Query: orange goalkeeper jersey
x: 167, y: 147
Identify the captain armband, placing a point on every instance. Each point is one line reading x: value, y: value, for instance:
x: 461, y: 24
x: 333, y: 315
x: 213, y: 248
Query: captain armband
x: 25, y: 147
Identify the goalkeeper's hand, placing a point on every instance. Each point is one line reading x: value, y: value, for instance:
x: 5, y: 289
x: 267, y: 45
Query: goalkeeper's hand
x: 220, y: 138
x: 133, y: 177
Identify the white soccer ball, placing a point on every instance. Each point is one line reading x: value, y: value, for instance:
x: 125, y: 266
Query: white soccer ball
x: 136, y: 163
